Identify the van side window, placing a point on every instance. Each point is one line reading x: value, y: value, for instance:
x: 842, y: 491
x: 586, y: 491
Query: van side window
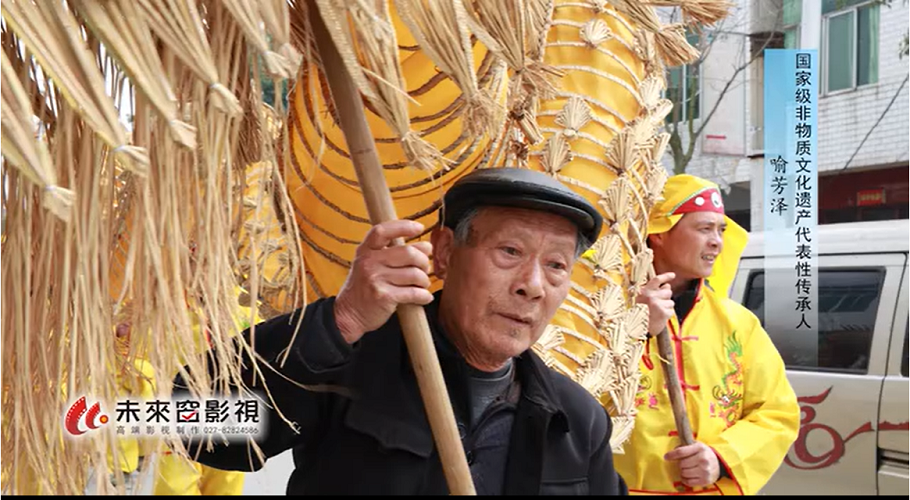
x: 904, y: 358
x: 847, y: 306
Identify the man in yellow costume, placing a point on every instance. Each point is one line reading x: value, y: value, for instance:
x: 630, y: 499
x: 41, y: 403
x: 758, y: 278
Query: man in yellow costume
x: 173, y: 475
x: 135, y: 379
x: 743, y: 411
x: 179, y: 476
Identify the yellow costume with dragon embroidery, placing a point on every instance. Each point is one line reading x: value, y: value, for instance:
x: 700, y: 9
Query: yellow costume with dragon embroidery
x: 737, y: 395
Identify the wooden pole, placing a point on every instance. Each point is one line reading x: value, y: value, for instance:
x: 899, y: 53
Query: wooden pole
x: 413, y: 319
x: 665, y: 348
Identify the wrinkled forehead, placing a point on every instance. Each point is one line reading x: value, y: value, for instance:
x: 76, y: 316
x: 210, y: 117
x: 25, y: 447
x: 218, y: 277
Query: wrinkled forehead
x: 506, y: 221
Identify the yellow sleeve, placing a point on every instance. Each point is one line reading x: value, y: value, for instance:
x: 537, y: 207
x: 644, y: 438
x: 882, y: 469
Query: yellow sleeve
x: 145, y: 379
x: 753, y: 448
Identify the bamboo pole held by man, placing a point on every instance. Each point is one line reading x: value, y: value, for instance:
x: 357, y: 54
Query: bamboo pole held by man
x: 413, y: 318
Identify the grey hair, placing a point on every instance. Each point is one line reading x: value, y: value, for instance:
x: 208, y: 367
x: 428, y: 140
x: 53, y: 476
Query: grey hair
x: 463, y: 233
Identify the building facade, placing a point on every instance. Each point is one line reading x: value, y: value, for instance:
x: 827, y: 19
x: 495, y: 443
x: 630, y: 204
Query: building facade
x: 863, y: 104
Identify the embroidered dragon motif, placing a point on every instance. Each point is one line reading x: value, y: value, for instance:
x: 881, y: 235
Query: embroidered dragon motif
x: 728, y: 393
x: 644, y: 386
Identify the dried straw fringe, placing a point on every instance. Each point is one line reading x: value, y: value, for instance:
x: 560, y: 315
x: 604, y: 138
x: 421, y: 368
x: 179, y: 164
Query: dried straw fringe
x: 248, y: 16
x: 152, y: 224
x: 697, y: 12
x: 276, y: 15
x: 507, y: 28
x: 377, y: 70
x: 441, y: 30
x: 179, y: 26
x: 125, y: 34
x: 539, y: 16
x: 670, y: 40
x: 51, y: 34
x: 673, y: 47
x: 24, y: 150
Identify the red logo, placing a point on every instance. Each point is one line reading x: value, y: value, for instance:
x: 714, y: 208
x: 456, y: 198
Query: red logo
x: 805, y: 460
x: 93, y: 418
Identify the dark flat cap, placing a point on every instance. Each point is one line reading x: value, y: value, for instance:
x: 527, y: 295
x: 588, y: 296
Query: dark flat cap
x: 520, y: 188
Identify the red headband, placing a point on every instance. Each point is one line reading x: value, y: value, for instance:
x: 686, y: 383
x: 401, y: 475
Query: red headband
x: 706, y: 200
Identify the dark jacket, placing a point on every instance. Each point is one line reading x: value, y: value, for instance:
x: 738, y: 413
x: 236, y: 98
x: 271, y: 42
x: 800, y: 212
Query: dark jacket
x: 364, y: 429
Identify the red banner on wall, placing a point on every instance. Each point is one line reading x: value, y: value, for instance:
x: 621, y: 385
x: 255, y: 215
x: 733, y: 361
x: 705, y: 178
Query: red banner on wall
x: 870, y: 197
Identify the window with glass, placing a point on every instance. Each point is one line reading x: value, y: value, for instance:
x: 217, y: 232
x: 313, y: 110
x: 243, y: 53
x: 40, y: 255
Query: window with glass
x: 847, y: 305
x: 684, y: 88
x: 851, y: 29
x: 904, y: 357
x: 792, y: 15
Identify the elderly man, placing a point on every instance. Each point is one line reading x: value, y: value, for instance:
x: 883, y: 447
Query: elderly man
x: 505, y: 251
x: 742, y: 410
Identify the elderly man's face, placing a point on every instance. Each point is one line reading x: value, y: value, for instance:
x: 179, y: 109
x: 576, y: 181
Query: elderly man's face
x: 504, y: 285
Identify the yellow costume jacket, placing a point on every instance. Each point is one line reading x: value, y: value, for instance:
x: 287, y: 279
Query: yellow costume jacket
x: 737, y: 395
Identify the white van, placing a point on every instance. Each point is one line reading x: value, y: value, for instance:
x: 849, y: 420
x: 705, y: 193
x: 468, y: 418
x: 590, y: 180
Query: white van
x: 853, y: 436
